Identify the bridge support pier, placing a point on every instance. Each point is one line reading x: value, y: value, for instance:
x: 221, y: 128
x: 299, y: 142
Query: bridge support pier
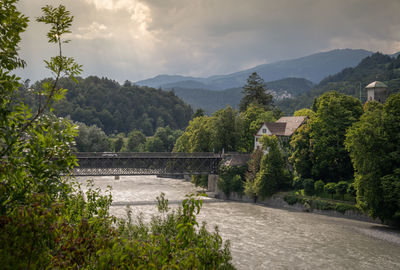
x: 116, y: 177
x: 212, y: 183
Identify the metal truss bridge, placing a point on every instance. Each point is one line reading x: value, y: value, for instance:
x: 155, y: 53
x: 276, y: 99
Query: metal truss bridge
x: 96, y: 164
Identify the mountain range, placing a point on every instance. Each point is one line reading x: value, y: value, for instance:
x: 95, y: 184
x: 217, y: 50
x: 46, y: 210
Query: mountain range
x: 294, y: 83
x: 314, y: 67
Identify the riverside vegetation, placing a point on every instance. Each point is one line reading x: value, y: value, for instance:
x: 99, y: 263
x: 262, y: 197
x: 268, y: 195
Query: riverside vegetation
x: 47, y: 222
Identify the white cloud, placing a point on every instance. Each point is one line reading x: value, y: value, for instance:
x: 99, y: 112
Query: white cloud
x: 93, y: 31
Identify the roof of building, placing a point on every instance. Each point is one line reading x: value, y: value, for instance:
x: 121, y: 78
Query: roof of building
x: 276, y: 128
x: 285, y: 126
x: 292, y: 123
x: 376, y: 84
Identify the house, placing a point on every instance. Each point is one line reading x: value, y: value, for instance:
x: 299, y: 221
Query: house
x: 283, y: 128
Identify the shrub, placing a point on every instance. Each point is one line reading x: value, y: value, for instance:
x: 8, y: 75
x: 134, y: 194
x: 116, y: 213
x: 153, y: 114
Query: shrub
x: 330, y: 189
x: 351, y: 189
x: 319, y: 186
x: 341, y: 188
x: 342, y: 207
x: 297, y: 183
x: 231, y: 179
x: 291, y: 199
x: 323, y: 205
x: 308, y: 185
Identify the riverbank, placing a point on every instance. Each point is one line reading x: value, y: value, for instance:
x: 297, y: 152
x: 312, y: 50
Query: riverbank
x: 278, y: 201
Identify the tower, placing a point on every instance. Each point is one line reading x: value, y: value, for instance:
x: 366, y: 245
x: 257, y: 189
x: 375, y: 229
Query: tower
x: 377, y: 91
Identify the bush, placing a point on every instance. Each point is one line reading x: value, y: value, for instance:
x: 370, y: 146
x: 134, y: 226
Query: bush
x: 291, y: 199
x: 342, y: 207
x: 231, y: 179
x: 297, y: 183
x: 308, y: 185
x: 341, y: 188
x: 319, y: 186
x: 330, y: 188
x: 351, y: 189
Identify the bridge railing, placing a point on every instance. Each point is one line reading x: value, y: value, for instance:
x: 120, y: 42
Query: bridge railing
x: 108, y: 163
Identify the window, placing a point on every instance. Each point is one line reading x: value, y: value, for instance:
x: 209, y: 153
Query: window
x: 264, y: 130
x: 256, y: 139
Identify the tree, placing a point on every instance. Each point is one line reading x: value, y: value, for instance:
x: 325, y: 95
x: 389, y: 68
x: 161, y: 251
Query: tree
x: 118, y: 144
x: 373, y: 144
x: 198, y: 113
x: 273, y: 174
x: 251, y: 174
x: 255, y: 92
x: 335, y: 114
x: 136, y: 140
x: 301, y: 156
x: 226, y: 129
x: 251, y: 120
x: 91, y: 139
x: 34, y: 147
x: 196, y: 137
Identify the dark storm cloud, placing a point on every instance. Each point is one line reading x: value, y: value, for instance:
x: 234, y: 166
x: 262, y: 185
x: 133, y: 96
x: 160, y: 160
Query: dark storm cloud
x: 129, y: 39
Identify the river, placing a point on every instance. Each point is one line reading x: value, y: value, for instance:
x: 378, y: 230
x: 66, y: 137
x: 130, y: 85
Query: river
x: 268, y: 238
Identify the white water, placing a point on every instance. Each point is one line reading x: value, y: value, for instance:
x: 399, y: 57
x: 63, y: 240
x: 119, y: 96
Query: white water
x: 268, y: 238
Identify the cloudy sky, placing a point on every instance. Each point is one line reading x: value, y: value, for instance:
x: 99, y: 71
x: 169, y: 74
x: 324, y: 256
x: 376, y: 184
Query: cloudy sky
x: 138, y: 39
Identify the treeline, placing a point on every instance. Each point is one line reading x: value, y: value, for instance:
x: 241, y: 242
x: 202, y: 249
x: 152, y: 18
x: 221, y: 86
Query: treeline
x: 350, y: 81
x: 116, y: 108
x: 93, y: 139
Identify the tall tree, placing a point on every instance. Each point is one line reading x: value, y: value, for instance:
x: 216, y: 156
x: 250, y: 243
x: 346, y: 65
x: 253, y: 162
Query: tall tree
x: 273, y: 174
x: 255, y: 91
x: 374, y: 146
x: 335, y: 114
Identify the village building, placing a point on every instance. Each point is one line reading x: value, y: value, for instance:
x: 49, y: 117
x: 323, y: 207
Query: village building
x: 283, y: 128
x: 377, y: 91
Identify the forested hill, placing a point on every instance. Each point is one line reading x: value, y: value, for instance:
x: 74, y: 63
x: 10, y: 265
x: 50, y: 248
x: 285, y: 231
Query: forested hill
x: 349, y: 81
x: 122, y: 108
x: 210, y: 100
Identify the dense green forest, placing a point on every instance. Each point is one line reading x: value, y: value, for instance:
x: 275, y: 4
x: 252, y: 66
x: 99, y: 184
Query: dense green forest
x: 117, y: 108
x: 350, y: 81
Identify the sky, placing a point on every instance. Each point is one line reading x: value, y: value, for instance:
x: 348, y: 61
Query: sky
x: 138, y: 39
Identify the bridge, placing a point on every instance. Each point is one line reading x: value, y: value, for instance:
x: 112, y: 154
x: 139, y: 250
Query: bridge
x: 107, y: 163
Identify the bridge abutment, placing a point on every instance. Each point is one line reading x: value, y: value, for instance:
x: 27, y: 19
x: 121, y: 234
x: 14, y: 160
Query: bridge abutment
x: 212, y: 183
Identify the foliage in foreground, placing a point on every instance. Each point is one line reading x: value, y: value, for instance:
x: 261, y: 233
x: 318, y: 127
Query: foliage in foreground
x: 79, y: 233
x: 45, y: 221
